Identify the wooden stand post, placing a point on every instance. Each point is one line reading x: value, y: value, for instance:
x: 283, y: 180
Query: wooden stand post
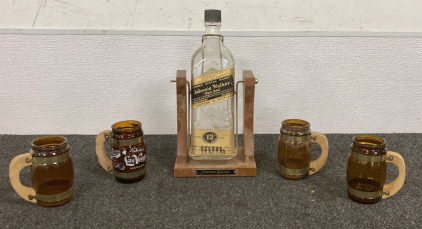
x: 243, y: 164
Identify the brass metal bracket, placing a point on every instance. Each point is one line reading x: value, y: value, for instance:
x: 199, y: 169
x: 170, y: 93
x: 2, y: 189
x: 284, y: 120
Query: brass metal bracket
x: 48, y: 160
x: 237, y: 113
x: 369, y: 158
x: 390, y: 158
x: 366, y: 195
x: 53, y: 198
x: 124, y: 142
x: 304, y: 138
x: 212, y: 35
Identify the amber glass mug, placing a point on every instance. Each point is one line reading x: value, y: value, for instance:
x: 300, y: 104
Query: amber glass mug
x: 51, y: 172
x: 128, y: 152
x: 295, y: 149
x: 367, y: 169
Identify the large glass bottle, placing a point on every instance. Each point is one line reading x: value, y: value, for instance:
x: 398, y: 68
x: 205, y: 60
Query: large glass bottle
x: 212, y: 118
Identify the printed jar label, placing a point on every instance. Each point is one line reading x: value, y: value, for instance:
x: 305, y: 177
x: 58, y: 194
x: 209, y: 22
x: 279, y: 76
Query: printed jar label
x: 212, y: 88
x: 212, y: 142
x: 129, y: 158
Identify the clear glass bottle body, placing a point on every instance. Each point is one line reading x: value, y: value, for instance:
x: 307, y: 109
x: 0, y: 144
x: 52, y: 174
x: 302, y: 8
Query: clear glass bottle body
x: 215, y: 120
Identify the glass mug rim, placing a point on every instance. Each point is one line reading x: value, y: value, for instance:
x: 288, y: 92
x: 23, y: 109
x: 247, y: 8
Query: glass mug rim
x: 37, y: 143
x: 369, y: 141
x: 126, y: 126
x: 295, y: 124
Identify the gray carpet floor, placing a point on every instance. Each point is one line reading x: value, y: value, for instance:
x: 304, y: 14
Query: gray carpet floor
x: 265, y: 201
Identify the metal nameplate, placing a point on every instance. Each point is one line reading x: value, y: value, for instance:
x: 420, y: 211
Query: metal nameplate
x: 214, y: 172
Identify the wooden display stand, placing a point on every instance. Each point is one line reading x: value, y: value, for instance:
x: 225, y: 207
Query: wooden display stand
x: 240, y: 166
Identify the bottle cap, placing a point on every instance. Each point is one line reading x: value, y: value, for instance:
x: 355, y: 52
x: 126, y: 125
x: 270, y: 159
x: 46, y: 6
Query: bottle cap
x: 212, y: 16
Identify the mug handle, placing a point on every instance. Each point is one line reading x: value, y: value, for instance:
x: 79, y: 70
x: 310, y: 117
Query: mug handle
x: 104, y: 161
x: 15, y: 167
x: 323, y: 142
x: 393, y: 187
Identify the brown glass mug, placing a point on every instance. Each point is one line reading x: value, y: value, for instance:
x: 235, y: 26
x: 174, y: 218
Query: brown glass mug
x: 51, y: 172
x: 128, y: 151
x: 367, y: 169
x: 295, y: 149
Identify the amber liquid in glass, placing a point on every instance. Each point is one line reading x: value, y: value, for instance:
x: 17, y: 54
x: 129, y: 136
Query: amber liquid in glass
x: 294, y: 156
x: 54, y: 187
x: 365, y: 185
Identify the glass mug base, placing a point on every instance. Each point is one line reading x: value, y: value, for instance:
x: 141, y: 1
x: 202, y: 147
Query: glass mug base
x: 296, y: 173
x: 59, y: 190
x: 363, y: 200
x: 364, y: 191
x: 293, y: 177
x: 130, y: 180
x: 55, y: 203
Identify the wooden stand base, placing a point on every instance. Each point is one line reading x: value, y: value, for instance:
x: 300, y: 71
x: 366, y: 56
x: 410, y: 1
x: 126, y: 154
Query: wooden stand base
x: 243, y: 164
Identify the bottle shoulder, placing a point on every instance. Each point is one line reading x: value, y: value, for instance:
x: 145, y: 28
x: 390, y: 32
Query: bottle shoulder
x: 212, y: 52
x: 213, y: 44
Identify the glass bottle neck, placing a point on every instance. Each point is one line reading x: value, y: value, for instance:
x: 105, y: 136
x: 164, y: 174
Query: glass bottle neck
x: 212, y: 29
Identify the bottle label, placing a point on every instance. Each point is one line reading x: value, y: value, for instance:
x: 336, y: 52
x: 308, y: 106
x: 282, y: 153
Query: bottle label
x: 212, y: 88
x: 212, y: 142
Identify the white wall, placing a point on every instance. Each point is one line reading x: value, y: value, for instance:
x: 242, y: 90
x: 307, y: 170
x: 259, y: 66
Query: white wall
x: 238, y: 15
x: 81, y: 84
